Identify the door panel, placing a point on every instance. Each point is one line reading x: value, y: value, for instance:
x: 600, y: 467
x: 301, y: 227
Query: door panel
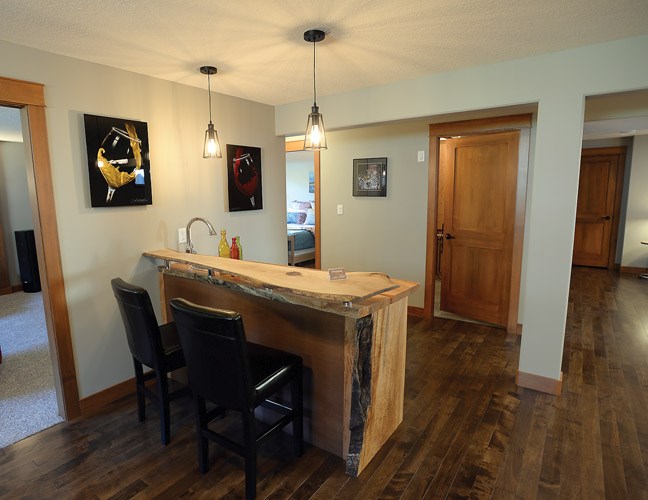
x: 479, y: 216
x: 595, y: 210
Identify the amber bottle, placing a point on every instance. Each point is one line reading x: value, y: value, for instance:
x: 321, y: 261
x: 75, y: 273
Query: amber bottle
x: 223, y: 247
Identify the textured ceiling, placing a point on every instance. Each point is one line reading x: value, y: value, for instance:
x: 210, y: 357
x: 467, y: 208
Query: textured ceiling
x: 261, y: 55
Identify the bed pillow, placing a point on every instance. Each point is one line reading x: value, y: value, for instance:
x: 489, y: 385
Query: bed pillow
x: 295, y: 217
x: 310, y: 217
x: 301, y: 205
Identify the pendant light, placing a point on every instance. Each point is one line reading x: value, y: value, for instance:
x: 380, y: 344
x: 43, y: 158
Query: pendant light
x: 315, y: 133
x: 212, y: 147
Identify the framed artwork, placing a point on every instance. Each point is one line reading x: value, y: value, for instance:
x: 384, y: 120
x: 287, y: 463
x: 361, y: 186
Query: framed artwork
x: 118, y: 161
x: 244, y: 178
x: 370, y: 177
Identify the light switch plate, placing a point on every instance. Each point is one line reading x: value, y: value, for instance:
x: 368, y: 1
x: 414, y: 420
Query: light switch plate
x: 182, y: 235
x: 340, y: 209
x: 421, y: 156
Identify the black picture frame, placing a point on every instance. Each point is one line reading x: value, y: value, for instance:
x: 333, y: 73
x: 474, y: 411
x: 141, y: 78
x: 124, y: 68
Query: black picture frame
x: 244, y: 189
x: 370, y: 177
x: 119, y: 169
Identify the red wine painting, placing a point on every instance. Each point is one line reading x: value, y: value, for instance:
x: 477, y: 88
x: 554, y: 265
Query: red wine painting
x: 244, y: 178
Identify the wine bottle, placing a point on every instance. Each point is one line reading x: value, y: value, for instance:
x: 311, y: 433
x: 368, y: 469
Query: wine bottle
x: 240, y: 248
x: 234, y: 251
x: 223, y: 247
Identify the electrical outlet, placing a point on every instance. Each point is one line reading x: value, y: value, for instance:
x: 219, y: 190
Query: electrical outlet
x: 421, y: 156
x: 340, y: 209
x: 182, y: 235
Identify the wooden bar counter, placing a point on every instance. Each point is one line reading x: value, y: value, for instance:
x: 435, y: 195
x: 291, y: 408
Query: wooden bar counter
x: 350, y: 333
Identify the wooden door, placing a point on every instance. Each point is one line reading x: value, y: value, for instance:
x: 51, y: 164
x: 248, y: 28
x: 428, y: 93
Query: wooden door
x: 595, y: 212
x: 479, y: 219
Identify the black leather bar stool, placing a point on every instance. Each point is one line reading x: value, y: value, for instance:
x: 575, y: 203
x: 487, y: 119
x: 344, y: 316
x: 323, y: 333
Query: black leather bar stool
x: 155, y: 346
x: 224, y: 369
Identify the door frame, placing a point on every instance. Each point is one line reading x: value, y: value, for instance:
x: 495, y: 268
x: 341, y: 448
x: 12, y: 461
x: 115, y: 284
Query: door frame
x: 621, y: 152
x: 475, y: 127
x: 30, y: 98
x: 298, y: 145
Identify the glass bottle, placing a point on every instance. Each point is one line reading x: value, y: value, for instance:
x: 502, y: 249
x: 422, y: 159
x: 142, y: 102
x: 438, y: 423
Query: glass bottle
x: 223, y: 247
x: 234, y: 251
x: 240, y: 248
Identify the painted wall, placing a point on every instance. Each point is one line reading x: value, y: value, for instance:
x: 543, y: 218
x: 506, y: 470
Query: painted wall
x: 15, y: 209
x: 99, y: 244
x: 375, y: 233
x: 636, y: 228
x: 558, y: 83
x: 297, y: 175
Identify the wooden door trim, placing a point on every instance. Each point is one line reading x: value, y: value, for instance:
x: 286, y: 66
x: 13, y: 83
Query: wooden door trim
x: 5, y: 281
x: 621, y: 152
x: 30, y: 97
x: 292, y: 146
x: 438, y: 130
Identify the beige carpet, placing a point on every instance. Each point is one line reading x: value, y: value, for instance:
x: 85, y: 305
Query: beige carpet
x: 27, y: 395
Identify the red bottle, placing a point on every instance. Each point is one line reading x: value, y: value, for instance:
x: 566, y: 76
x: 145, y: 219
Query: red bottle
x: 234, y: 251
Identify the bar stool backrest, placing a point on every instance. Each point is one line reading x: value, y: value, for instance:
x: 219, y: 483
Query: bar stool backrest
x: 215, y: 350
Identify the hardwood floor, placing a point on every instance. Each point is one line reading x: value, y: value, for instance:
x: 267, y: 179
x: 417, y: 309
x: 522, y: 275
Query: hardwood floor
x: 468, y: 430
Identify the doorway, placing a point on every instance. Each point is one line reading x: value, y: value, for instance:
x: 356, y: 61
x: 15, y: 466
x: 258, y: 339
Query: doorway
x: 598, y: 208
x: 27, y: 392
x: 480, y: 262
x: 29, y: 98
x: 297, y: 146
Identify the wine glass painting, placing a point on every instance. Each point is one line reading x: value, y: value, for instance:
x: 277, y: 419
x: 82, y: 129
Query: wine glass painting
x: 244, y: 178
x: 118, y: 161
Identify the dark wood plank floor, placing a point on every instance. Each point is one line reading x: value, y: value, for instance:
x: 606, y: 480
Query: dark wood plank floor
x: 468, y: 430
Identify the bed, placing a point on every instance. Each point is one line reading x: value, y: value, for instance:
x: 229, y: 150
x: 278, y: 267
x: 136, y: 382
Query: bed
x: 300, y: 224
x: 301, y: 244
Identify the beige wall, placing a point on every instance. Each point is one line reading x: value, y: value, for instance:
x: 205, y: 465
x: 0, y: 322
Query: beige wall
x: 98, y: 244
x: 15, y: 210
x: 636, y: 227
x: 375, y: 233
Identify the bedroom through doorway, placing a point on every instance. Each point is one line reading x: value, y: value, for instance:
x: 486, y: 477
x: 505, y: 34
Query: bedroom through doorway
x: 302, y: 206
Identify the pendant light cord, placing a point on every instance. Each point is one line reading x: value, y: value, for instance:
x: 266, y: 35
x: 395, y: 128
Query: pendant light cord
x: 209, y: 93
x: 314, y: 89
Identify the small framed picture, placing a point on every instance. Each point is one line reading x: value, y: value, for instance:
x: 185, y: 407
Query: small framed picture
x: 370, y: 177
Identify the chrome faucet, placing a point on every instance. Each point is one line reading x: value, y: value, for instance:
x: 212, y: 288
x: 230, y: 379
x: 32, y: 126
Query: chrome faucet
x: 212, y: 232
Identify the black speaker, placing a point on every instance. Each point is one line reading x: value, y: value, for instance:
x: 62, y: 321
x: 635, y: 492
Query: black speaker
x: 28, y: 261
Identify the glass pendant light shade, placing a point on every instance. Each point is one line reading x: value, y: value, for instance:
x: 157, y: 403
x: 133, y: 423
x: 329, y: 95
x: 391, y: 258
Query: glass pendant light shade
x: 212, y: 147
x: 315, y: 133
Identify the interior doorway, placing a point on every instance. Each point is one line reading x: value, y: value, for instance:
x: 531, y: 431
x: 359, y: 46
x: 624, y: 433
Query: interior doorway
x: 481, y: 260
x: 598, y: 209
x: 479, y: 218
x: 311, y: 193
x: 29, y: 98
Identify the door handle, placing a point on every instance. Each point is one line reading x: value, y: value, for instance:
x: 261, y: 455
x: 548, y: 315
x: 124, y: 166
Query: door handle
x: 605, y: 217
x: 448, y: 236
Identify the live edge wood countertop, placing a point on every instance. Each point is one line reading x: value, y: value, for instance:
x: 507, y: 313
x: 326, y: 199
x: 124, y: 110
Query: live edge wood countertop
x: 359, y: 295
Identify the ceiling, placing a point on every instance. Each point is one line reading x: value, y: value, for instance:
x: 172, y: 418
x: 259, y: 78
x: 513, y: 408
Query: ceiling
x: 260, y: 53
x: 259, y: 49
